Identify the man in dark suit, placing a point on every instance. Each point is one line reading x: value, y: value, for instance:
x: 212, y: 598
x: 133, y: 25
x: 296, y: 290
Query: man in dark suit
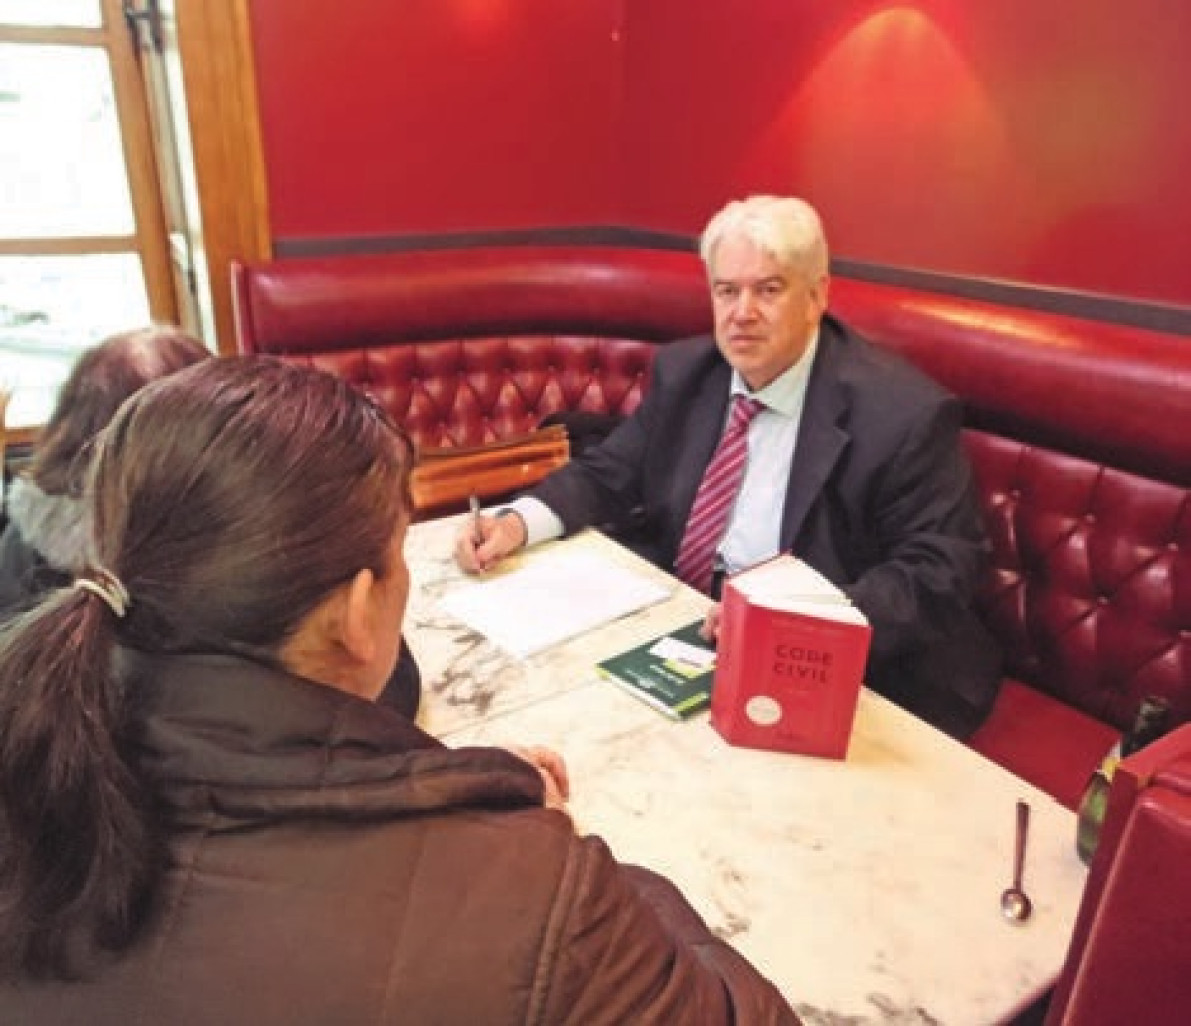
x: 854, y: 464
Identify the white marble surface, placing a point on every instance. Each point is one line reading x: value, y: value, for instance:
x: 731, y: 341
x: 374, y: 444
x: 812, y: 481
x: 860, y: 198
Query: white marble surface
x: 866, y: 889
x: 465, y: 678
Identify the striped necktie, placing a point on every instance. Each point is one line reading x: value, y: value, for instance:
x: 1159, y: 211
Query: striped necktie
x: 717, y: 493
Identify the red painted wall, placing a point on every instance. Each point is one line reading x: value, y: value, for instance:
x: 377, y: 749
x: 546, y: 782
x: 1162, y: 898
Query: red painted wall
x: 1043, y: 142
x: 1040, y: 141
x: 398, y: 116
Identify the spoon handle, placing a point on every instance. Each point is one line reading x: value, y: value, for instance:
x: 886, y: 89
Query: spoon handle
x: 1019, y: 853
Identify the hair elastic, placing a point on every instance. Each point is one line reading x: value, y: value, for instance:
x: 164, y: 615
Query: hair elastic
x: 107, y: 586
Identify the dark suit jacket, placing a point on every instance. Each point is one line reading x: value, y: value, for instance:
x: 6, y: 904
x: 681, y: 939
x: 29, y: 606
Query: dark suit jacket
x: 881, y: 501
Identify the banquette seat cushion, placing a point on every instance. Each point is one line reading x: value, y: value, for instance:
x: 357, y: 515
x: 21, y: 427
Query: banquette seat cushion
x: 1079, y: 433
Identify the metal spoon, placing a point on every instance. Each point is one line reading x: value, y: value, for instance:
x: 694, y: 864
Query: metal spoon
x: 1015, y: 903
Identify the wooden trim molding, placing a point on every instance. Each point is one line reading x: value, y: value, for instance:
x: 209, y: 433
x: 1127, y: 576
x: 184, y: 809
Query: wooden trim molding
x: 570, y: 235
x: 1092, y: 306
x: 22, y: 438
x: 218, y: 71
x: 81, y: 245
x: 53, y: 36
x: 137, y: 138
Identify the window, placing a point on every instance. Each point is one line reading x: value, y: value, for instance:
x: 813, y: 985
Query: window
x: 83, y: 250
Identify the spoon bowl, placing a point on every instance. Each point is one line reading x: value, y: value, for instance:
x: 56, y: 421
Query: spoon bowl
x: 1015, y: 903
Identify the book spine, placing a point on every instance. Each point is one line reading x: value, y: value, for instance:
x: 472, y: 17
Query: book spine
x: 731, y: 652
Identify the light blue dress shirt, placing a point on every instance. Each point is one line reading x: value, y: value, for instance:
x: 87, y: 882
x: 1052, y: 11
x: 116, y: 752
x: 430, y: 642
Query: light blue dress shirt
x: 754, y: 527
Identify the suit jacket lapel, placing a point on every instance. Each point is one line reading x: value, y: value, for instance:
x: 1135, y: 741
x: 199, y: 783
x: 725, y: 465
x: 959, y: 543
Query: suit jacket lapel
x: 822, y: 438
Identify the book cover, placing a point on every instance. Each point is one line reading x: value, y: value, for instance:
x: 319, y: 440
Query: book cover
x: 673, y: 672
x: 791, y: 657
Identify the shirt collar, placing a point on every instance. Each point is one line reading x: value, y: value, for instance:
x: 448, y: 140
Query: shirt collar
x: 785, y: 392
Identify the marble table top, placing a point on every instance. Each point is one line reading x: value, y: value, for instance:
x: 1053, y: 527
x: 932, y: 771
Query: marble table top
x: 466, y: 679
x: 866, y: 889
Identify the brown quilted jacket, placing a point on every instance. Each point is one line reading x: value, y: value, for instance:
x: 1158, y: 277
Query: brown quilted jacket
x: 331, y: 864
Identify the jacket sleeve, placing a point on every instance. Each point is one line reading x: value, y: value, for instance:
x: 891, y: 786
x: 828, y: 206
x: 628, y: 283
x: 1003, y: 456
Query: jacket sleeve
x: 603, y: 485
x: 607, y: 484
x: 928, y: 527
x: 930, y: 652
x: 624, y: 946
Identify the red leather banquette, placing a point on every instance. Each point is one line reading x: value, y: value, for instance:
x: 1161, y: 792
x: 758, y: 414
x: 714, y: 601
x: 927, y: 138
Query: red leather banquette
x: 1079, y: 431
x: 1128, y: 957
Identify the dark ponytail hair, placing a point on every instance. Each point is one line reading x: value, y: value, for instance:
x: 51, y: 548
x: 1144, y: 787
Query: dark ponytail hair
x: 77, y: 853
x: 229, y: 499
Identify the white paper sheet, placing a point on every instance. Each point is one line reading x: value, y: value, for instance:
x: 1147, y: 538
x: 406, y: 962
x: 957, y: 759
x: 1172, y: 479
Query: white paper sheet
x: 558, y: 596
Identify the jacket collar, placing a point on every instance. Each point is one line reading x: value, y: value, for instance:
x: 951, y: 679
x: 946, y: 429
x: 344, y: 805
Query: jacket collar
x: 822, y: 436
x: 220, y: 733
x: 52, y: 525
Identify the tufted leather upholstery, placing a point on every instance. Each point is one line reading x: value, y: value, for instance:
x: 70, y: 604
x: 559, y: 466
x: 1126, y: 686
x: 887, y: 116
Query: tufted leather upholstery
x: 1128, y: 957
x: 468, y: 346
x: 1080, y: 434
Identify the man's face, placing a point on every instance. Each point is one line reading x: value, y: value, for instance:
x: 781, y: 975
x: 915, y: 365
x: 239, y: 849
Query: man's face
x: 765, y: 313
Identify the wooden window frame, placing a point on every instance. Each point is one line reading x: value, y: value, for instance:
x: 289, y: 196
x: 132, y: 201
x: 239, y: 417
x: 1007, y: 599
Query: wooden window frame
x: 148, y: 239
x: 218, y: 70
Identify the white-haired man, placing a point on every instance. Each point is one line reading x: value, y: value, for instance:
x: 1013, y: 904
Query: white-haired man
x: 851, y: 459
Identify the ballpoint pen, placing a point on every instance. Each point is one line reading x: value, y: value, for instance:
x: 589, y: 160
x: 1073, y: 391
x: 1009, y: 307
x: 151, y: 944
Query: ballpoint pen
x: 477, y: 534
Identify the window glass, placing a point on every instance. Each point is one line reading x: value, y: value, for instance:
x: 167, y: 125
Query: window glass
x: 65, y: 13
x: 60, y: 148
x: 50, y: 308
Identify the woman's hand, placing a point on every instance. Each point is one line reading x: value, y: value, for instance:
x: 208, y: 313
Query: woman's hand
x: 551, y: 768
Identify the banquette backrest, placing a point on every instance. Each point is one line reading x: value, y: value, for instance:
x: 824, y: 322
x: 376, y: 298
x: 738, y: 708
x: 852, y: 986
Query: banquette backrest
x: 1080, y: 435
x: 467, y: 346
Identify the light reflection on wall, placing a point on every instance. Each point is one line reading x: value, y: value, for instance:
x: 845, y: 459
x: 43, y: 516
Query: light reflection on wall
x: 892, y: 104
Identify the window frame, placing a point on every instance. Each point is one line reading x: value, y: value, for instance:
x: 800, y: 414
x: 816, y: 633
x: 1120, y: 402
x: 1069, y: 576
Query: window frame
x: 148, y: 240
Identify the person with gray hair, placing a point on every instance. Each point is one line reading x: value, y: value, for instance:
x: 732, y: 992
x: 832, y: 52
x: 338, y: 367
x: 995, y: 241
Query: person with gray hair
x: 41, y: 544
x: 788, y: 432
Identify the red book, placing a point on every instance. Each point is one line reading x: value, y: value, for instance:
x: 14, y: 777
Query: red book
x: 789, y: 661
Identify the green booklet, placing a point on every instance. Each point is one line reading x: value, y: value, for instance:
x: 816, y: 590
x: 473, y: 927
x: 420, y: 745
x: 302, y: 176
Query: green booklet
x: 673, y: 672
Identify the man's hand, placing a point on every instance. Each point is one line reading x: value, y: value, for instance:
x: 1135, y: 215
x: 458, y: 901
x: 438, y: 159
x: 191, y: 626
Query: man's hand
x: 711, y: 624
x: 483, y: 542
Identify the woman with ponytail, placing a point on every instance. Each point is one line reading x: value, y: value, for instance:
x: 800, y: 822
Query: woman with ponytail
x: 205, y: 817
x: 41, y: 547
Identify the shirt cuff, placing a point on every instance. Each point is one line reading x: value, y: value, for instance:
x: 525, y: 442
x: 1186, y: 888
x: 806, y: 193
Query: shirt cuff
x: 541, y: 522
